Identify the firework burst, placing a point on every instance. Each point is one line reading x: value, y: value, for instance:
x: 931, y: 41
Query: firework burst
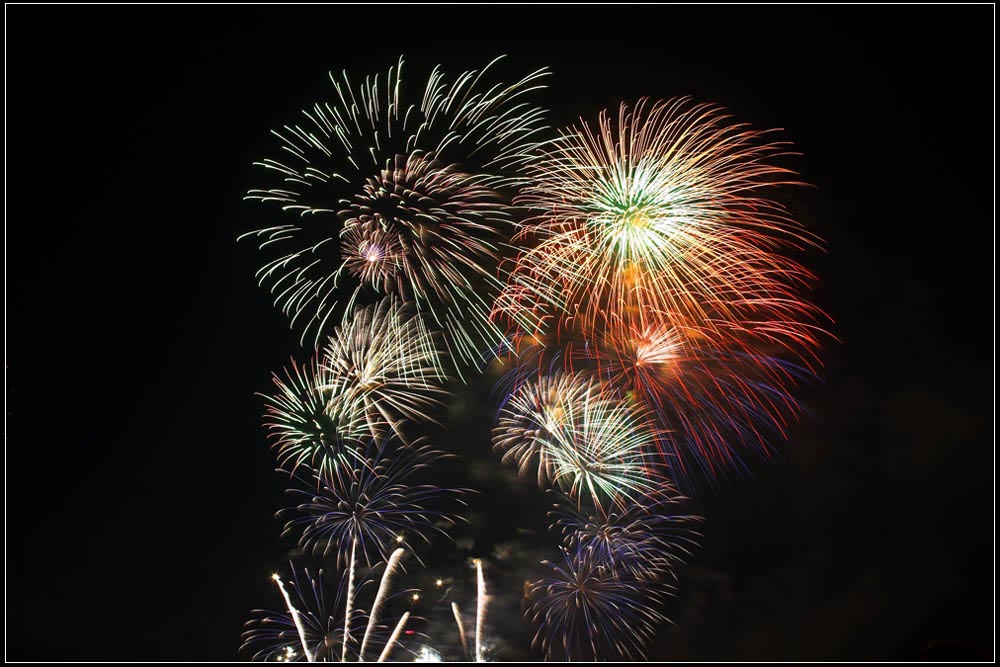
x: 580, y: 438
x: 297, y: 421
x: 379, y: 369
x: 418, y: 192
x: 588, y: 609
x: 373, y: 505
x: 660, y: 211
x: 647, y: 540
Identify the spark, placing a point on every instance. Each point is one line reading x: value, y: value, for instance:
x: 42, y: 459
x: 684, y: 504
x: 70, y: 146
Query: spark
x: 349, y: 610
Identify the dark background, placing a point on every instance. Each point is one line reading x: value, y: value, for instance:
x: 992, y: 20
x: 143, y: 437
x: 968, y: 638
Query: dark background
x: 140, y: 489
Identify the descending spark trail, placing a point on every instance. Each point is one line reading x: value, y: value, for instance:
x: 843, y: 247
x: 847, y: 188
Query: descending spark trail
x: 295, y: 616
x: 461, y: 628
x: 480, y: 608
x: 390, y: 567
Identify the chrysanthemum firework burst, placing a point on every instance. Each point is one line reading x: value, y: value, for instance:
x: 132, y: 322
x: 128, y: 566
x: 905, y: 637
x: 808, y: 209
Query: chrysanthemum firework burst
x: 372, y: 504
x: 661, y: 209
x: 580, y: 438
x: 379, y: 369
x: 647, y: 539
x: 589, y: 609
x: 417, y: 182
x: 297, y: 420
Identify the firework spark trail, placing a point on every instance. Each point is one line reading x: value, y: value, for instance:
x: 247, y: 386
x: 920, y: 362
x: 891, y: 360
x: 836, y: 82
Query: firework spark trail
x: 349, y: 608
x: 480, y: 608
x: 395, y: 636
x: 295, y: 617
x: 373, y: 614
x: 461, y: 628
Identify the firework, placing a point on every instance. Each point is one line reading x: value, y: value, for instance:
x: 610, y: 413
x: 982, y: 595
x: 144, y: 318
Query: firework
x: 275, y: 635
x: 713, y: 398
x: 297, y: 421
x: 587, y: 609
x: 380, y: 370
x: 646, y: 540
x: 312, y: 625
x: 586, y: 441
x: 662, y: 211
x: 417, y: 188
x: 373, y: 505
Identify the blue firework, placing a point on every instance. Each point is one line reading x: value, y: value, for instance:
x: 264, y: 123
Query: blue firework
x: 373, y: 505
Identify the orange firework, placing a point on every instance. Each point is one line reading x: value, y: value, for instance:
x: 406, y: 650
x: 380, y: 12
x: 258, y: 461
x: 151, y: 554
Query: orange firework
x: 659, y: 211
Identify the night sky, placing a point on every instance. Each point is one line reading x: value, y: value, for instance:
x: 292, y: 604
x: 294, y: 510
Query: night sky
x: 140, y: 487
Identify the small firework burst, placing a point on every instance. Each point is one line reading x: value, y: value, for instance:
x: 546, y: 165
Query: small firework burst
x: 297, y: 421
x: 373, y: 505
x: 646, y: 540
x: 580, y: 438
x: 589, y: 609
x: 379, y: 370
x: 372, y: 254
